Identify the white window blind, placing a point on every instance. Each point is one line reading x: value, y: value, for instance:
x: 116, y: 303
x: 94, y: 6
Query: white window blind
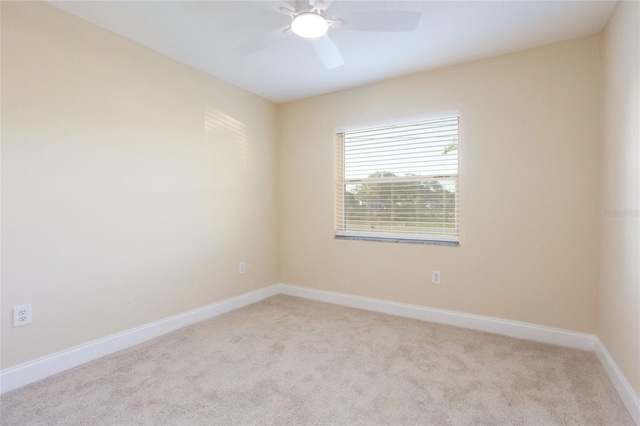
x: 398, y: 182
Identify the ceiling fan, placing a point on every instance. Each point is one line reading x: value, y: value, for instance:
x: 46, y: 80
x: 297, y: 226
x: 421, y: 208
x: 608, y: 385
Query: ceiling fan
x: 310, y: 21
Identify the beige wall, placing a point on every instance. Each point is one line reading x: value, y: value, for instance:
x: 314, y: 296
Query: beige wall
x: 131, y: 184
x: 619, y: 295
x: 529, y: 172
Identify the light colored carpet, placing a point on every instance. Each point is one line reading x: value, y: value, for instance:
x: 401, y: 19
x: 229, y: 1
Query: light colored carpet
x: 293, y: 361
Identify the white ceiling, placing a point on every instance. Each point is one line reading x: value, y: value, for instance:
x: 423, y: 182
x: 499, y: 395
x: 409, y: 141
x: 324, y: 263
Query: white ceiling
x: 203, y: 34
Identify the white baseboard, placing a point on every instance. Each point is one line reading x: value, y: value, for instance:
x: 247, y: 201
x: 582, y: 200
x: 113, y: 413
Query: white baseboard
x: 522, y: 330
x: 38, y: 369
x: 32, y: 371
x: 554, y: 336
x: 626, y: 392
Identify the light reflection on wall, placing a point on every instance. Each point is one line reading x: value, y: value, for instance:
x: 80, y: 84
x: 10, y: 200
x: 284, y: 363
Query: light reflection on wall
x: 230, y: 137
x: 230, y: 171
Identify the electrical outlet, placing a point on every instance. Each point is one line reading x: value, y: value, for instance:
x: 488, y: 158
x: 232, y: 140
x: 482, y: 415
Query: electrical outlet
x: 21, y: 315
x: 242, y: 267
x: 435, y: 277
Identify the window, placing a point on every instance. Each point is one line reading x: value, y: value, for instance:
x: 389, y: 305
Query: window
x: 398, y: 182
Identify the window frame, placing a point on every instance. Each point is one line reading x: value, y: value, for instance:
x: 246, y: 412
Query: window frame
x: 339, y: 186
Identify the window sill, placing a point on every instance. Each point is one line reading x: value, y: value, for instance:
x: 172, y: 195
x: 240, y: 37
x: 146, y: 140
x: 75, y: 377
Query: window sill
x: 398, y: 240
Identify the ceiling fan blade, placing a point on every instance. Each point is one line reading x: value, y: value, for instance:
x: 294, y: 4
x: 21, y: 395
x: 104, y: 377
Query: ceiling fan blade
x: 278, y: 6
x: 320, y: 5
x: 285, y: 8
x: 327, y: 52
x: 381, y: 21
x: 262, y: 42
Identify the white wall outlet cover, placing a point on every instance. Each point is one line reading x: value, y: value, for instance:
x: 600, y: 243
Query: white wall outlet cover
x: 21, y: 315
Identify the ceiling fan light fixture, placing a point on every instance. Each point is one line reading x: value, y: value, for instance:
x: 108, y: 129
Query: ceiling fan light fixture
x: 309, y: 25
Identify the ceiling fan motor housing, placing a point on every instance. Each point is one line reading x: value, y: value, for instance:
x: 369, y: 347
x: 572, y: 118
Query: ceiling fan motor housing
x: 309, y: 25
